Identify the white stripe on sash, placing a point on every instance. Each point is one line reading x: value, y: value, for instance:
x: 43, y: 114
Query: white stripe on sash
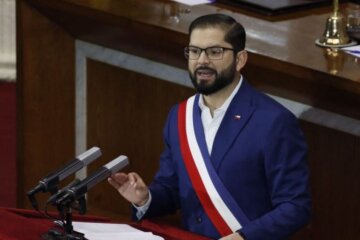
x: 216, y: 199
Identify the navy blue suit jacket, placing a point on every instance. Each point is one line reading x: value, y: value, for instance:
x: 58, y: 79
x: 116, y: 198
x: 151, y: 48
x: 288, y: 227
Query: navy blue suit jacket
x: 260, y: 158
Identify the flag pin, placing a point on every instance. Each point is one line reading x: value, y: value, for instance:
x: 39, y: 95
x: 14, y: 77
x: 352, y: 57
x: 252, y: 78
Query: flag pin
x: 237, y: 117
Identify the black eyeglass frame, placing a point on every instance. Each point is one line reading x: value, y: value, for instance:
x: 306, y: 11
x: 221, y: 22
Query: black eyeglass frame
x: 223, y: 49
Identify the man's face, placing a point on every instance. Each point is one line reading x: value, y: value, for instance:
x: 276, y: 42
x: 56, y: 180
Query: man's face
x: 209, y: 76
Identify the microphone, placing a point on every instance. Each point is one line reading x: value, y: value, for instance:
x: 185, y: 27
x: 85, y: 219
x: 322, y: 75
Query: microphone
x: 62, y: 192
x: 104, y: 172
x: 49, y: 183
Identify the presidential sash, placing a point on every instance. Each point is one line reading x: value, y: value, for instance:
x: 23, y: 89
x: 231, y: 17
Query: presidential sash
x: 219, y: 205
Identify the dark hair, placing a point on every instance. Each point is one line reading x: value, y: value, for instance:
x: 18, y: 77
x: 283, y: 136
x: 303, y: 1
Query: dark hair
x: 235, y: 32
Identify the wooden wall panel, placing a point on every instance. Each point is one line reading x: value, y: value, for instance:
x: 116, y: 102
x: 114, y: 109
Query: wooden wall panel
x: 335, y: 186
x: 301, y: 85
x: 8, y: 174
x: 45, y: 98
x: 126, y: 115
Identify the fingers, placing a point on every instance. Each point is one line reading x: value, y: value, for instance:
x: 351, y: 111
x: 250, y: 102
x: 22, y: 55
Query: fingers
x: 121, y: 178
x: 130, y: 186
x: 113, y: 183
x: 134, y: 178
x: 136, y: 181
x: 118, y: 179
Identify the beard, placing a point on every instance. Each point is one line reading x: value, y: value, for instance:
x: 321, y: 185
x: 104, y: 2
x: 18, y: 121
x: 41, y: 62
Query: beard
x: 222, y: 79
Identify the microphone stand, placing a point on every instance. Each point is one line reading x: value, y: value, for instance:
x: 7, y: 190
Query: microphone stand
x: 65, y: 211
x: 32, y: 198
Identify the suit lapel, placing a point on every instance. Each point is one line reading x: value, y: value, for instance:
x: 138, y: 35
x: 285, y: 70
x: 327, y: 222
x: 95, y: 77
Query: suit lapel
x: 236, y: 117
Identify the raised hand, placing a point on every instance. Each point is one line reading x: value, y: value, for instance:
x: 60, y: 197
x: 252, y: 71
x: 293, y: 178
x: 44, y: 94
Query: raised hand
x: 131, y: 187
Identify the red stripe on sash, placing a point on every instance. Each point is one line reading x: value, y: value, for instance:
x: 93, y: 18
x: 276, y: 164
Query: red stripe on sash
x: 199, y: 187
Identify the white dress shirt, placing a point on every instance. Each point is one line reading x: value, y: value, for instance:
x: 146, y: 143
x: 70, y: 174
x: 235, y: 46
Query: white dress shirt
x: 210, y: 123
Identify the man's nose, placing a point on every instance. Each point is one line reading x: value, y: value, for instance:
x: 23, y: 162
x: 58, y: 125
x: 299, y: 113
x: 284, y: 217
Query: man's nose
x: 203, y: 58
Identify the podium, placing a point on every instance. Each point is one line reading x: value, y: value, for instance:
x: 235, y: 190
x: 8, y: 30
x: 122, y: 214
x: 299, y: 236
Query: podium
x: 18, y: 223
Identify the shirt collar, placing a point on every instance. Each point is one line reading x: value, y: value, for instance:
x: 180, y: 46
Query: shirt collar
x: 227, y: 102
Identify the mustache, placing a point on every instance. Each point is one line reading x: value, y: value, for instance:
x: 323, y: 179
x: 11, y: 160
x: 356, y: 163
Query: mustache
x: 204, y: 68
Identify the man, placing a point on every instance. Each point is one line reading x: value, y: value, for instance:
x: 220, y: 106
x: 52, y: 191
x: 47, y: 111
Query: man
x: 235, y: 160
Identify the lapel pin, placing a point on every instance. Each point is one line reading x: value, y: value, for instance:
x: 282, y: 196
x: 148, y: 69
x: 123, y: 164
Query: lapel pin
x: 237, y: 117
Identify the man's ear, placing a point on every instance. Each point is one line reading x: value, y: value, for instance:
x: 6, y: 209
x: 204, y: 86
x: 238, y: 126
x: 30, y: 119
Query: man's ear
x: 241, y: 58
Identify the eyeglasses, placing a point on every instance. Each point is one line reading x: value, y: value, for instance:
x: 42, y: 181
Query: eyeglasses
x: 213, y: 53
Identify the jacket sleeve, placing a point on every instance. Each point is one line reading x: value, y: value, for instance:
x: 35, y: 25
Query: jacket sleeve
x: 285, y: 154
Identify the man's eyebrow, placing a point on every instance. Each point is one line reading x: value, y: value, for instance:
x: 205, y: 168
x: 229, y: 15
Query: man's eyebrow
x: 216, y: 45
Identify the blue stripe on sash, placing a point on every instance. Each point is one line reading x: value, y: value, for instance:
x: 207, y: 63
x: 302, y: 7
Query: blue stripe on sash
x: 222, y: 190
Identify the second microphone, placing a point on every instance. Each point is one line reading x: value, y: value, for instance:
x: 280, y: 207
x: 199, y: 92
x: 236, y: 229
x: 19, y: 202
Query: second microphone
x: 103, y: 173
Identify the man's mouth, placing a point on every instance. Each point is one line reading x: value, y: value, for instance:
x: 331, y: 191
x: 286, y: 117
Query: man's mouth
x: 205, y: 74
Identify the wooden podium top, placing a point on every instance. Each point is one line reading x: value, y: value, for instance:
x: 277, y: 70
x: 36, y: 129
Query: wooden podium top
x: 283, y: 61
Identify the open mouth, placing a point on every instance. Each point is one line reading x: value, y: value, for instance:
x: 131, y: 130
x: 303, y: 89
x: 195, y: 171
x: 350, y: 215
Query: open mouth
x: 205, y: 73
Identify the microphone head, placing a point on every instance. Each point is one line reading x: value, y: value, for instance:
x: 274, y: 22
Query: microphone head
x: 117, y: 164
x: 89, y: 156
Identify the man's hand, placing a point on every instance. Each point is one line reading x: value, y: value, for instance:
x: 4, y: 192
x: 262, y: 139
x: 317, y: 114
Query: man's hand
x: 233, y: 236
x: 131, y: 187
